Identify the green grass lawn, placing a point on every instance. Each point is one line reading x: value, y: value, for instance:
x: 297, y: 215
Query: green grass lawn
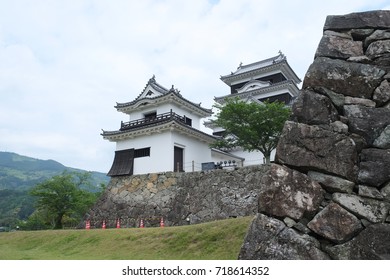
x: 218, y: 240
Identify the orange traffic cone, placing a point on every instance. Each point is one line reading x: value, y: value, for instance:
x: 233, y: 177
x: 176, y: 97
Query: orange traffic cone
x: 162, y: 222
x: 104, y: 224
x: 141, y: 224
x: 118, y: 224
x: 87, y: 224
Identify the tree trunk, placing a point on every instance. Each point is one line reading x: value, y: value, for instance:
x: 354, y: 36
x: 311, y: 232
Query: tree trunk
x: 58, y: 221
x: 267, y: 157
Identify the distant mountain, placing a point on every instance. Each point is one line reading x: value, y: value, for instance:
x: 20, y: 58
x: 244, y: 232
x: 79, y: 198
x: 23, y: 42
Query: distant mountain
x: 19, y: 172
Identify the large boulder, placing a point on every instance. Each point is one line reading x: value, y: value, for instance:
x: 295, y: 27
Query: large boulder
x: 285, y: 192
x: 332, y: 183
x: 383, y: 141
x: 270, y: 239
x: 373, y: 243
x: 336, y: 45
x: 371, y: 19
x: 382, y: 93
x: 335, y: 223
x: 367, y: 122
x: 374, y: 167
x: 348, y: 78
x: 313, y: 148
x: 313, y: 108
x: 372, y: 210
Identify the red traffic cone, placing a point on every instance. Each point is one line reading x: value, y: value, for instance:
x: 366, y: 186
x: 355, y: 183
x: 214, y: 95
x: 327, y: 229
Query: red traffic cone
x: 104, y: 224
x: 141, y: 224
x: 118, y: 224
x: 87, y: 224
x: 162, y: 222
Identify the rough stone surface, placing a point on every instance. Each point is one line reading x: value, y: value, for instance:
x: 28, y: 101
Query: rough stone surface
x: 337, y: 99
x: 360, y: 34
x: 378, y: 48
x: 367, y: 122
x: 373, y: 210
x: 382, y: 93
x: 311, y: 147
x: 335, y: 223
x: 364, y: 20
x: 288, y: 193
x: 339, y: 127
x: 270, y: 239
x: 370, y: 192
x: 385, y: 191
x: 359, y: 101
x: 332, y: 183
x: 374, y: 167
x: 336, y: 46
x: 383, y: 141
x: 373, y: 243
x: 348, y: 78
x: 376, y: 36
x: 313, y: 108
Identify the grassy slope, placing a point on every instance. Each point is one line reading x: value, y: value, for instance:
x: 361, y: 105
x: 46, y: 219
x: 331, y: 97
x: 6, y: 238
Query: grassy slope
x: 218, y: 240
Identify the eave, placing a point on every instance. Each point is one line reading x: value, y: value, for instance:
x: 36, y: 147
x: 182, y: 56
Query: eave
x: 281, y: 66
x: 144, y: 103
x: 287, y: 85
x: 162, y: 127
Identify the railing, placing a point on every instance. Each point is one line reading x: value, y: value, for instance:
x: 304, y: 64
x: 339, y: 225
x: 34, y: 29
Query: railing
x: 154, y: 120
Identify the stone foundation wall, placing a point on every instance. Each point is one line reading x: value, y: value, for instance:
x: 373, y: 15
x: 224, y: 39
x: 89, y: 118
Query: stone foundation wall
x: 178, y: 198
x: 329, y: 195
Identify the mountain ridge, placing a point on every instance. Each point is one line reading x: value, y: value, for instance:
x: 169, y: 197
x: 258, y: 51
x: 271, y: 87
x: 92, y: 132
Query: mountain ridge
x: 20, y: 172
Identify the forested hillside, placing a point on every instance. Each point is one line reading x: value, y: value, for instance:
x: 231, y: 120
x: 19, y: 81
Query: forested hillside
x: 18, y: 174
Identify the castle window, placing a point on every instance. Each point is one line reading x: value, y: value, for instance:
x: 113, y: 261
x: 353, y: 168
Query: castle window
x: 188, y: 121
x: 150, y: 116
x: 144, y: 152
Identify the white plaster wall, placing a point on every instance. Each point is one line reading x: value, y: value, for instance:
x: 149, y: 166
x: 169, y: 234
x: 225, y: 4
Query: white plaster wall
x: 161, y: 152
x: 194, y: 150
x: 180, y: 111
x: 162, y: 149
x: 252, y: 158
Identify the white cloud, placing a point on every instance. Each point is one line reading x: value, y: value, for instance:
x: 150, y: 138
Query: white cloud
x: 64, y: 64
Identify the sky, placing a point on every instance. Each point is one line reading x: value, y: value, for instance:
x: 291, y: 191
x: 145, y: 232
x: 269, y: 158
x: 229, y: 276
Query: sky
x: 65, y: 63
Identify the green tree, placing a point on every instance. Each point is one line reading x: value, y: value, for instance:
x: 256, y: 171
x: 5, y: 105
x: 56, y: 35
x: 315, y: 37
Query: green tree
x: 64, y: 196
x: 251, y: 126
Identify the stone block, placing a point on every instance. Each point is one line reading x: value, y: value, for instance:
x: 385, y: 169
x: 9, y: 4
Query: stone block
x: 379, y: 19
x: 332, y: 183
x: 284, y: 192
x: 270, y: 239
x: 311, y: 147
x: 347, y: 78
x: 313, y: 108
x: 374, y: 167
x: 367, y: 122
x: 373, y: 243
x: 338, y: 47
x: 335, y: 224
x: 373, y: 210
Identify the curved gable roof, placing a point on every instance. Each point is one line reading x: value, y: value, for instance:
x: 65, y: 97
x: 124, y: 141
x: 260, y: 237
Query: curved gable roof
x: 154, y: 93
x: 278, y: 62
